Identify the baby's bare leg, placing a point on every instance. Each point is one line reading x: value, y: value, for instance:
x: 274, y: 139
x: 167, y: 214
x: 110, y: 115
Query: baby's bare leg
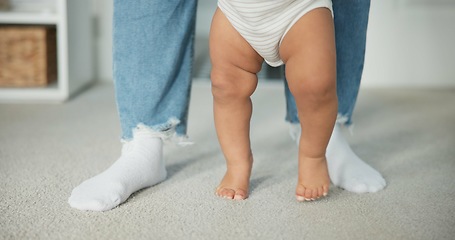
x: 308, y: 51
x: 234, y: 68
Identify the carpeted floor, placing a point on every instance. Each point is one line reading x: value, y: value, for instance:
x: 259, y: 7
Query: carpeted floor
x: 408, y: 135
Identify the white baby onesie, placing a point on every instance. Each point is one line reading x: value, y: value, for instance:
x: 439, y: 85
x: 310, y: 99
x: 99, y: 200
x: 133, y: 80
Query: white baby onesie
x: 264, y: 23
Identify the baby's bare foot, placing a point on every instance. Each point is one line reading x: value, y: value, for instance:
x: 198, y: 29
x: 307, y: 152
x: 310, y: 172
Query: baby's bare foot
x: 313, y: 181
x: 235, y: 182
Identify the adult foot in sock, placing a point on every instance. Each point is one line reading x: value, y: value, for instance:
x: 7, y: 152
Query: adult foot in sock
x: 140, y: 165
x: 347, y: 170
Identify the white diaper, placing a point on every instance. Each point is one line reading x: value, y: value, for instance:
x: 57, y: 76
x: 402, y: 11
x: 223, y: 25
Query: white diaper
x: 264, y: 23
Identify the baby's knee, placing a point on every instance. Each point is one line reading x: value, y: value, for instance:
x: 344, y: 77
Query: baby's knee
x: 315, y: 87
x: 229, y: 83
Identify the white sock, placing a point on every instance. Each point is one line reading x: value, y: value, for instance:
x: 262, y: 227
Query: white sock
x: 140, y: 165
x: 346, y: 169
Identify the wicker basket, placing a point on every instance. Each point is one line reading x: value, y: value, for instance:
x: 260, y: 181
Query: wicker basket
x: 28, y: 56
x: 4, y: 5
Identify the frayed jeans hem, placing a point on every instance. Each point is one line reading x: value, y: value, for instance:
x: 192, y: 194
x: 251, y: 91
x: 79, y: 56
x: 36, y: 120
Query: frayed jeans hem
x: 165, y: 131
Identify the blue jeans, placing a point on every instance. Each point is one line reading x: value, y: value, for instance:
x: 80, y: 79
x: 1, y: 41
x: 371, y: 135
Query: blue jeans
x: 351, y: 20
x: 152, y: 63
x: 153, y: 57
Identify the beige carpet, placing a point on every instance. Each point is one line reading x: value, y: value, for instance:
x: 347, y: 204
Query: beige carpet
x: 408, y: 135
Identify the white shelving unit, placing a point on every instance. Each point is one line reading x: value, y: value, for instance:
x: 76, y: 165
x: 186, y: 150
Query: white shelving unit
x: 72, y: 19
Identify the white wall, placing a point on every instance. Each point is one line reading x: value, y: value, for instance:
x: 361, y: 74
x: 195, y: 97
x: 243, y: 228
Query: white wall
x: 103, y: 38
x: 411, y: 43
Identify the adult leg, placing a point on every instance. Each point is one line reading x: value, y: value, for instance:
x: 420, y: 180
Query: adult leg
x: 234, y: 68
x: 346, y: 169
x: 153, y: 50
x: 153, y: 54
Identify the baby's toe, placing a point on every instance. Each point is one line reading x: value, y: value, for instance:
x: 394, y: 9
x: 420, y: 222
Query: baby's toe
x: 300, y: 193
x: 315, y: 194
x: 308, y: 194
x: 325, y: 191
x: 226, y: 193
x: 240, y: 195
